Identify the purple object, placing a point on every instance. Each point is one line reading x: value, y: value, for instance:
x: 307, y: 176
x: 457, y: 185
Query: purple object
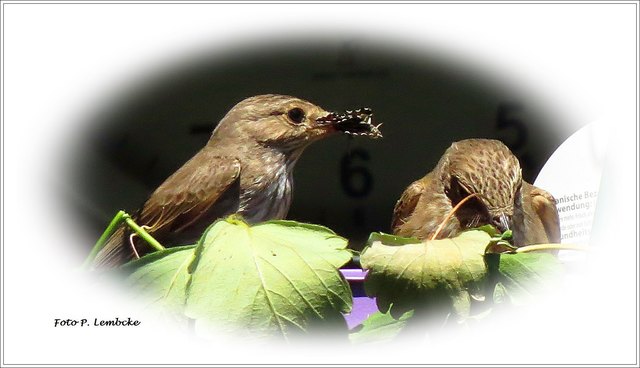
x: 363, y: 306
x: 354, y: 274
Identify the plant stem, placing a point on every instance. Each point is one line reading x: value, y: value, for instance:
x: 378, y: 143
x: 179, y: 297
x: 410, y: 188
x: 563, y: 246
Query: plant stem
x: 453, y: 210
x: 113, y: 225
x: 532, y: 248
x: 142, y: 233
x: 117, y: 219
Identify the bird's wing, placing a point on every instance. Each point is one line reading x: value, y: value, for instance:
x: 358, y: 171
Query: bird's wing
x: 113, y: 253
x: 183, y: 198
x: 544, y: 205
x: 188, y: 194
x: 406, y: 205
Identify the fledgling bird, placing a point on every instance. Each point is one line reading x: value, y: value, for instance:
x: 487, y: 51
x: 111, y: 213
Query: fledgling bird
x: 488, y: 169
x: 246, y: 167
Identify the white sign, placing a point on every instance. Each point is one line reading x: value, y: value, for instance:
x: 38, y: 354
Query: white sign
x: 572, y: 175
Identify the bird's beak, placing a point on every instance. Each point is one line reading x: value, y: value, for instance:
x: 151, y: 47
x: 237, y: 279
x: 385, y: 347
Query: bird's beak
x: 502, y: 222
x: 351, y: 122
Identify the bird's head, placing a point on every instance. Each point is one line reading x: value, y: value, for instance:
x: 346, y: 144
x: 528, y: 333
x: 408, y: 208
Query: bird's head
x: 288, y: 123
x: 487, y: 169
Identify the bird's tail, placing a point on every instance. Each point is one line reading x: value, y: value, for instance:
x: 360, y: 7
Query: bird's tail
x: 115, y: 251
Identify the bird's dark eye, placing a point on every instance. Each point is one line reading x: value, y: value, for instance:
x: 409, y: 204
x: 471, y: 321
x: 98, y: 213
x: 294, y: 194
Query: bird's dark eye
x: 296, y: 115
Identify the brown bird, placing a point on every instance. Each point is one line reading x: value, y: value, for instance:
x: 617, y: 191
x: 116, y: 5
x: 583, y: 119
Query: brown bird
x: 246, y: 168
x: 487, y: 171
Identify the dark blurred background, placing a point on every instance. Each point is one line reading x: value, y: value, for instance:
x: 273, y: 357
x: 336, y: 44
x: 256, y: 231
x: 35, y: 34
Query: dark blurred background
x: 425, y: 100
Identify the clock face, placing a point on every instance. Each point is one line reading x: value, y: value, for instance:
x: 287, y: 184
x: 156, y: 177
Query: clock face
x: 348, y: 184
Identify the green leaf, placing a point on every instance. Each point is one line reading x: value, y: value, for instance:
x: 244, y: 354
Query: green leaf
x: 489, y: 229
x: 525, y: 275
x: 380, y: 327
x: 445, y: 273
x: 160, y: 279
x: 500, y: 242
x: 273, y: 278
x: 507, y: 235
x: 389, y: 239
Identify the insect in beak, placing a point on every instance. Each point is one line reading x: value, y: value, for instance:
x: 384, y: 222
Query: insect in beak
x: 353, y: 122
